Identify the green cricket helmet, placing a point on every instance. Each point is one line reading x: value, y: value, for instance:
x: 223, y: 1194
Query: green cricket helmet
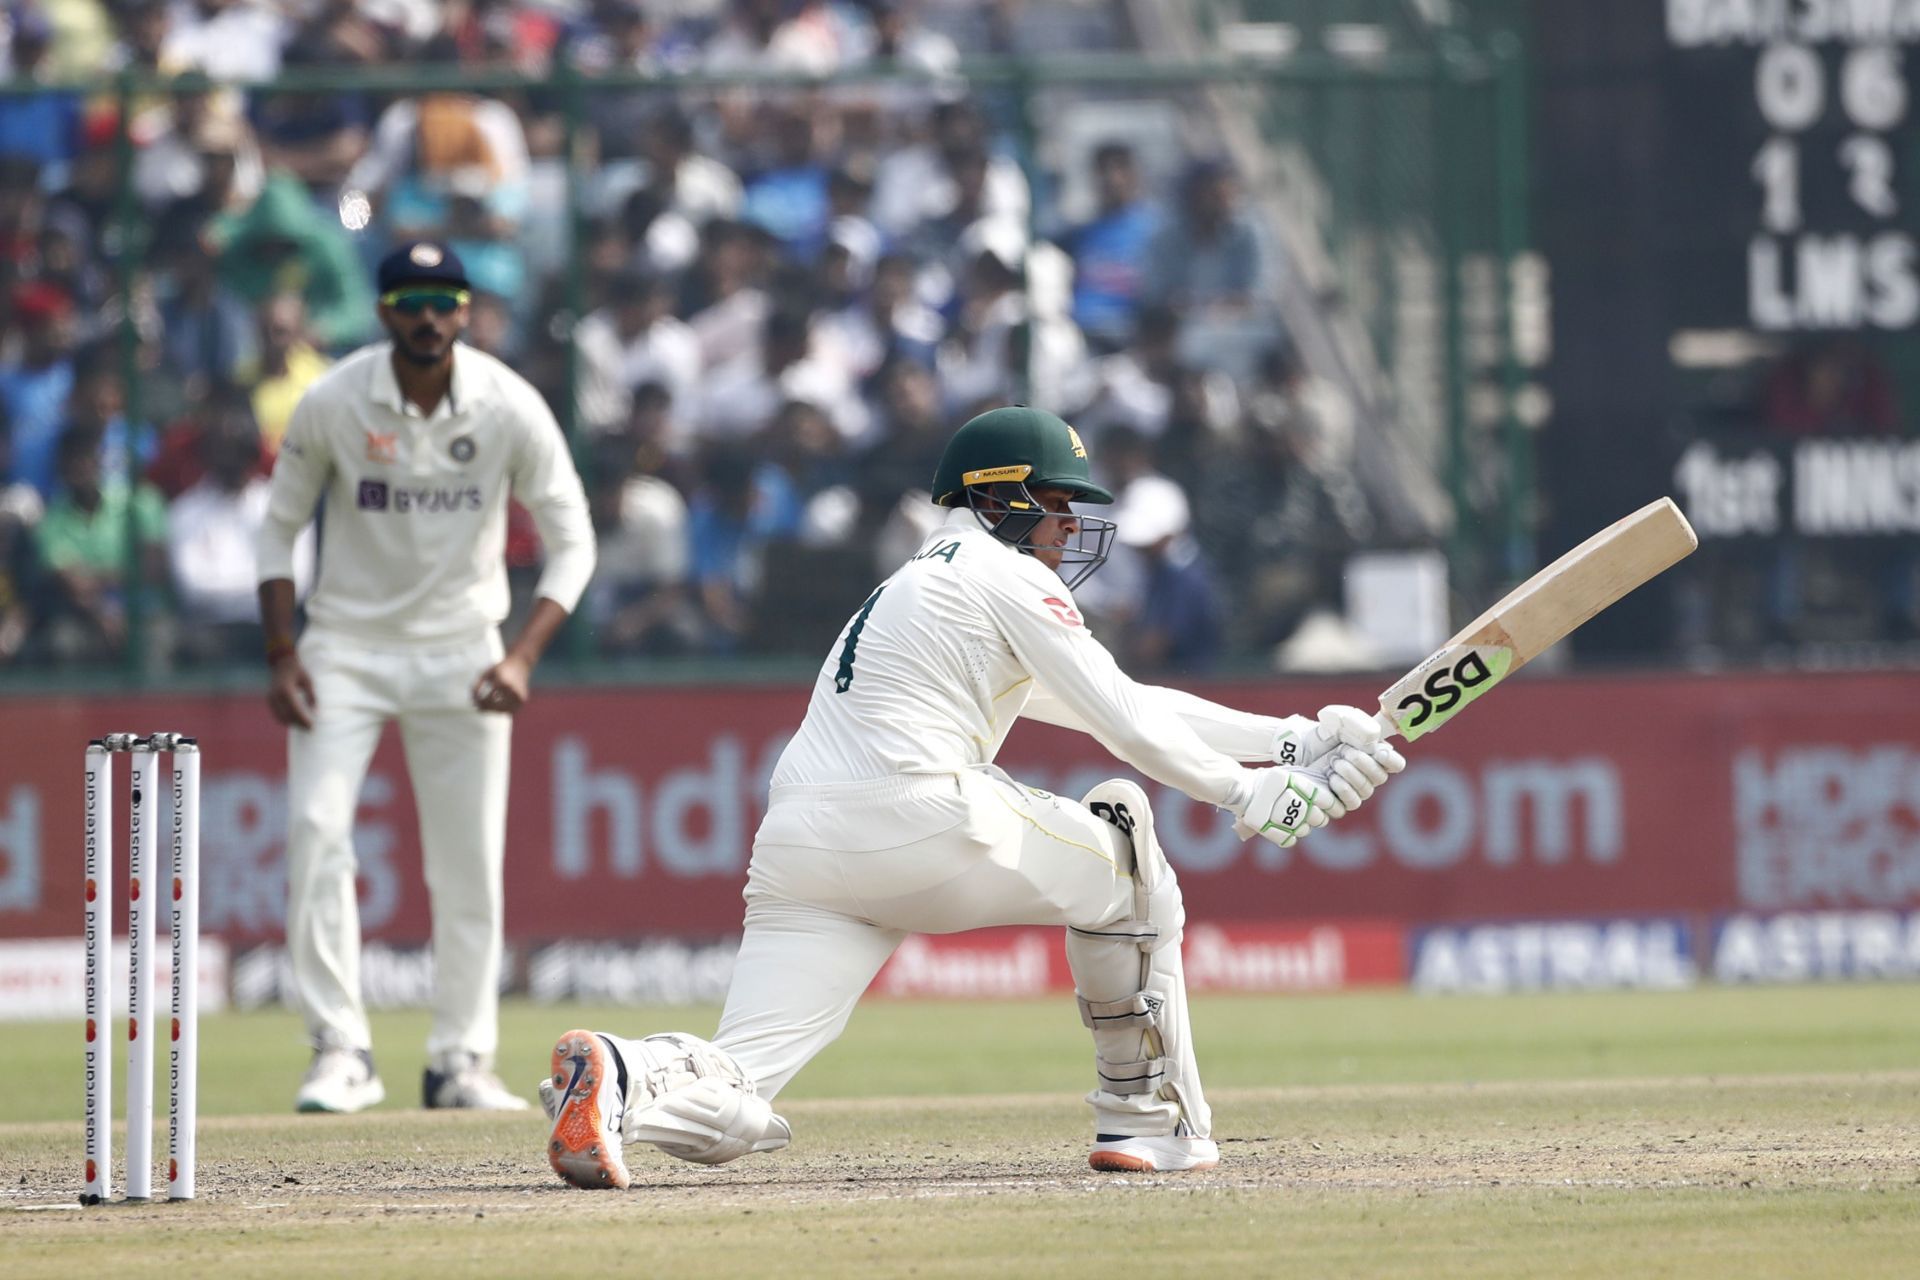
x: 995, y: 462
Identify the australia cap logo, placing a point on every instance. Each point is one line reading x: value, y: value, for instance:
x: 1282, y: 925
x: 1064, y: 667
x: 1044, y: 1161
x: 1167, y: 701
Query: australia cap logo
x: 426, y: 255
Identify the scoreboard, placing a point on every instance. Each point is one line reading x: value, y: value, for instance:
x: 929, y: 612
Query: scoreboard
x: 1791, y: 163
x: 1721, y: 188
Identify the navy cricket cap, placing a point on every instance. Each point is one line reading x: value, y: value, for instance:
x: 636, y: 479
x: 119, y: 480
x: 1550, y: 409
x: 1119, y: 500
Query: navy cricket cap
x: 421, y: 262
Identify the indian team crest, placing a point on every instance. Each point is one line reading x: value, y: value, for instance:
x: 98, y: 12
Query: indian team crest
x: 426, y: 255
x: 461, y: 449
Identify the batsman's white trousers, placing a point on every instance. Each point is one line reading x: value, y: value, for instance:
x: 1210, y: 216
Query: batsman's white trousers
x: 457, y: 761
x: 841, y: 874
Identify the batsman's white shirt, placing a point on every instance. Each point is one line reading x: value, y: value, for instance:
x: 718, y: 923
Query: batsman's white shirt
x: 968, y: 636
x: 403, y: 619
x: 416, y: 527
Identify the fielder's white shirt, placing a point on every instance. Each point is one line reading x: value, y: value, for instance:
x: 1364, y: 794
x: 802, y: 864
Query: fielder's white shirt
x: 967, y: 636
x: 416, y: 506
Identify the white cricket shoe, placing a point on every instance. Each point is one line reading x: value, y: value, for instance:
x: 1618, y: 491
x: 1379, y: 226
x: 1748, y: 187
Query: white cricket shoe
x: 341, y: 1081
x: 465, y: 1082
x: 585, y: 1099
x: 1113, y: 1153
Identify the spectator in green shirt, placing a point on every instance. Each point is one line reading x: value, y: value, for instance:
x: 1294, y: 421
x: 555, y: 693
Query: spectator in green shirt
x: 82, y: 542
x: 284, y: 243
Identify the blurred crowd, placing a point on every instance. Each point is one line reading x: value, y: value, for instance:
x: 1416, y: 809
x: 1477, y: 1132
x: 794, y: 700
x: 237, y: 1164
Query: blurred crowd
x: 778, y: 304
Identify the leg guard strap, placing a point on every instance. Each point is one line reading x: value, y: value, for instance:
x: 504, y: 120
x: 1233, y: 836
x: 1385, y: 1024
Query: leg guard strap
x: 1129, y: 1078
x: 1137, y: 1010
x: 1143, y: 933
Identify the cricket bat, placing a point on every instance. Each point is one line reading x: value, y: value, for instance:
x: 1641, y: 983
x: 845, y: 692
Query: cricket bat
x: 1535, y: 615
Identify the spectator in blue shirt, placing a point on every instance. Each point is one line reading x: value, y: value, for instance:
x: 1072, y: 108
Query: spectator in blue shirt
x: 742, y: 506
x: 95, y: 406
x: 1110, y: 251
x: 43, y: 125
x: 789, y: 198
x: 1208, y: 257
x: 210, y: 331
x: 34, y: 392
x: 1176, y: 619
x: 315, y: 136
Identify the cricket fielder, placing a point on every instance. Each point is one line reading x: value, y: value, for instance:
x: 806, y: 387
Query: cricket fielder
x: 888, y: 817
x: 413, y: 446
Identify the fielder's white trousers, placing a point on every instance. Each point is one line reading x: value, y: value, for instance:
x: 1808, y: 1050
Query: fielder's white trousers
x: 457, y: 761
x: 841, y: 874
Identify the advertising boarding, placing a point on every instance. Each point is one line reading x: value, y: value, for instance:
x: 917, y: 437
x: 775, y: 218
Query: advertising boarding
x: 1710, y: 814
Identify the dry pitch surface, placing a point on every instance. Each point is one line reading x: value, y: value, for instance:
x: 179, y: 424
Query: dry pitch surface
x: 1781, y: 1173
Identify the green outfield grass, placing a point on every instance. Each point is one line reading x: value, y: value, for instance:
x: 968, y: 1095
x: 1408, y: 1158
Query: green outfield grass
x: 253, y: 1061
x: 1721, y: 1131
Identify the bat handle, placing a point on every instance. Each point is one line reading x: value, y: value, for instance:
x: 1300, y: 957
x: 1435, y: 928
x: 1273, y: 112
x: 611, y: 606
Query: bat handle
x: 1388, y: 728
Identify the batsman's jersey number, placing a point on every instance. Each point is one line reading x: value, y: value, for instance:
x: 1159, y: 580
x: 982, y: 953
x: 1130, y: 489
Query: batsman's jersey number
x: 843, y: 678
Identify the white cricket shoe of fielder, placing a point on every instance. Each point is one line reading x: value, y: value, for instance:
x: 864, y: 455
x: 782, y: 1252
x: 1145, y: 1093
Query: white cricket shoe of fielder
x: 340, y: 1081
x: 1113, y: 1153
x: 584, y: 1097
x: 465, y: 1082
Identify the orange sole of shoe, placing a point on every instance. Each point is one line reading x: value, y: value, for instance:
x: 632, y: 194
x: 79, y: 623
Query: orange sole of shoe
x: 578, y: 1149
x: 1121, y: 1162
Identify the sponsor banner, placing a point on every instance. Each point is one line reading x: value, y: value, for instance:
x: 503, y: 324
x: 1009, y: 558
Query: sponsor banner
x: 1827, y: 820
x: 1817, y: 946
x: 982, y: 965
x: 998, y: 963
x: 661, y: 972
x: 665, y: 972
x: 1280, y: 958
x: 391, y: 977
x: 632, y: 810
x: 47, y: 977
x: 1561, y: 955
x: 986, y: 964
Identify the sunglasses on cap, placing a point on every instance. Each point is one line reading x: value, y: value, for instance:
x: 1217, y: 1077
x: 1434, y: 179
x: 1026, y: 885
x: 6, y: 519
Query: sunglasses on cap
x: 411, y: 302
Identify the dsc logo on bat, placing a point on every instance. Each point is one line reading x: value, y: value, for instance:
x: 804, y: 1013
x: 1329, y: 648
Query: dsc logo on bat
x: 1444, y: 687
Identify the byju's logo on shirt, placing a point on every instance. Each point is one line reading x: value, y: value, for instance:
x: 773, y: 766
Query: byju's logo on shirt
x: 377, y: 495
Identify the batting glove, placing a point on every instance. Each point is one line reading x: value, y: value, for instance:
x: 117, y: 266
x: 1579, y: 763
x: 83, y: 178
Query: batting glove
x: 1284, y: 805
x: 1349, y: 747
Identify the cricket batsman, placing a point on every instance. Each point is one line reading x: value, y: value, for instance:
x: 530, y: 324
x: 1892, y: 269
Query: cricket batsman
x: 887, y: 817
x: 413, y: 447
